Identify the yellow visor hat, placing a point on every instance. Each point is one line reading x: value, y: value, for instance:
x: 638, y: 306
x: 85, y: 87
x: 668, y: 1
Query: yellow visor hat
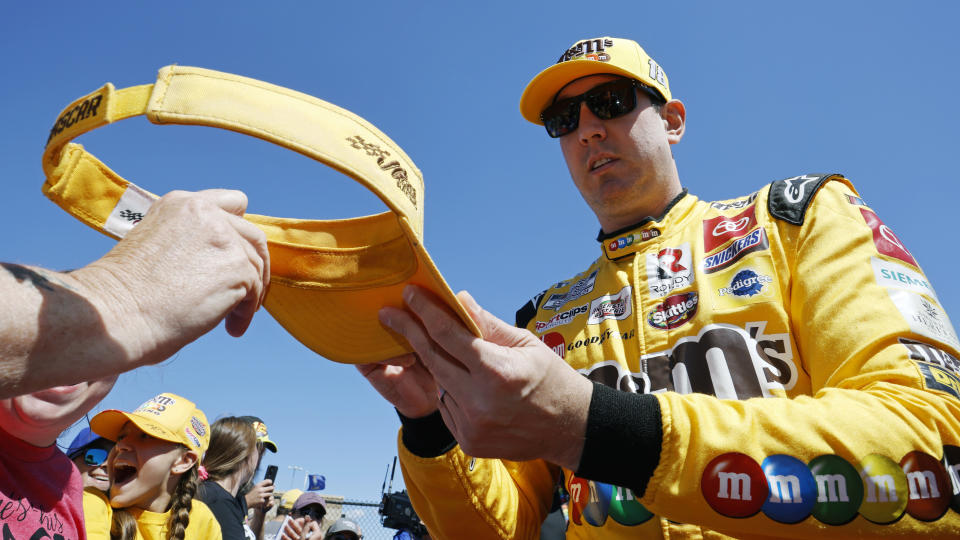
x: 329, y: 278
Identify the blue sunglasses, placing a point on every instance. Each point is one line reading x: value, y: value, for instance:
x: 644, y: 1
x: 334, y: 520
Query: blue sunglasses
x: 95, y: 456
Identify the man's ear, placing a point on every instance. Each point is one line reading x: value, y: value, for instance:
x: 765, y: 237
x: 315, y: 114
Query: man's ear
x: 674, y: 115
x: 185, y: 462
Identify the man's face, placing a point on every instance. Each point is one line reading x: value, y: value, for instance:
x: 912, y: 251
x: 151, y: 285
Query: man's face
x: 617, y: 164
x: 38, y: 418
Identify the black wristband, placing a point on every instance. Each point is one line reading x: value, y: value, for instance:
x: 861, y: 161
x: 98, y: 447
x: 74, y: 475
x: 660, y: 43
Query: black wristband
x: 623, y: 440
x: 426, y: 437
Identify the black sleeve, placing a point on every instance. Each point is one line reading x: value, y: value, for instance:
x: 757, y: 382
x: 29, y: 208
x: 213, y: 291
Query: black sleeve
x: 426, y: 437
x: 622, y: 427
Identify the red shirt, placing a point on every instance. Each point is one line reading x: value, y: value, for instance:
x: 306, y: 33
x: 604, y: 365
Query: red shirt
x: 41, y: 492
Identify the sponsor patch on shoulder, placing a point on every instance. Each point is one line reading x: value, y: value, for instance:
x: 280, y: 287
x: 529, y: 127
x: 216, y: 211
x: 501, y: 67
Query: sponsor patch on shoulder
x: 925, y: 317
x: 886, y: 241
x: 891, y: 274
x: 788, y: 199
x: 937, y: 378
x: 931, y: 355
x: 857, y: 201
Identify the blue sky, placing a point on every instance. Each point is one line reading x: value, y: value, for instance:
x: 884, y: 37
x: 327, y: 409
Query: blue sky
x: 772, y: 90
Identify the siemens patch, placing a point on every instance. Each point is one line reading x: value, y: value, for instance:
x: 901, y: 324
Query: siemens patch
x: 891, y: 274
x: 755, y: 241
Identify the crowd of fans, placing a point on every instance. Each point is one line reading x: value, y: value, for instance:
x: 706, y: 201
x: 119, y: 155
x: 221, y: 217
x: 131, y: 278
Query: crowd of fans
x: 144, y: 473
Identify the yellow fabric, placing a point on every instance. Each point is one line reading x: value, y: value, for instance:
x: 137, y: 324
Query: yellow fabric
x: 843, y: 352
x: 98, y: 514
x: 329, y: 278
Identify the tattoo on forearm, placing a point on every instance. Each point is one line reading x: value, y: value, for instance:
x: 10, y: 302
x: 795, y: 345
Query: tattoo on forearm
x: 37, y: 278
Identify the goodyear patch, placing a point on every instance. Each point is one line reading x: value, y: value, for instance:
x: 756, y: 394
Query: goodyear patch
x: 937, y: 378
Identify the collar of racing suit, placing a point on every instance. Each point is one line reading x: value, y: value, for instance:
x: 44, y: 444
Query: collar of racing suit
x: 628, y: 240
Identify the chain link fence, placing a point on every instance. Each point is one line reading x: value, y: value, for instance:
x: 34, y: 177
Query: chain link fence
x: 364, y: 513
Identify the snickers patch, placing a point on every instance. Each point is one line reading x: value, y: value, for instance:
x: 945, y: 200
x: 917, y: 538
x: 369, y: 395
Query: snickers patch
x: 789, y: 199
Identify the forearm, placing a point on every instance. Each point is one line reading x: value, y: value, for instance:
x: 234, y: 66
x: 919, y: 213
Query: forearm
x: 623, y: 438
x: 58, y: 329
x: 256, y: 522
x: 458, y: 496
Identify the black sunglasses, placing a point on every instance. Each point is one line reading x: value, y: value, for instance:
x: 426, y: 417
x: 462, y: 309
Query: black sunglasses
x: 606, y: 101
x: 95, y: 456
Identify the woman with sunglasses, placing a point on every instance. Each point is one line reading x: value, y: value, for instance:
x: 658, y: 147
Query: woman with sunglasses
x: 89, y: 453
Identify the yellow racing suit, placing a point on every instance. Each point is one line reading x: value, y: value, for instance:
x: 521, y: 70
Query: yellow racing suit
x: 771, y: 366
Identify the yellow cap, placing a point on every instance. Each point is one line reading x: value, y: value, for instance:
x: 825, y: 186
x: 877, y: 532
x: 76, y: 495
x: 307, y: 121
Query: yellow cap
x: 604, y: 55
x: 328, y: 278
x: 289, y: 498
x: 166, y: 416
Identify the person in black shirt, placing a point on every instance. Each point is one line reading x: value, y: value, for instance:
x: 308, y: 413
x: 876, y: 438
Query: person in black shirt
x: 229, y: 463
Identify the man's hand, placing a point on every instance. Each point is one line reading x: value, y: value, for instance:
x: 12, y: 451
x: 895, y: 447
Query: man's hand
x: 190, y: 263
x: 260, y: 495
x: 506, y: 395
x: 404, y: 382
x: 301, y: 528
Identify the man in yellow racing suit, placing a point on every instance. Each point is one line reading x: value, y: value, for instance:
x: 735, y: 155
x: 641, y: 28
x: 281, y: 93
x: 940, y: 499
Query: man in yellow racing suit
x: 771, y: 366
